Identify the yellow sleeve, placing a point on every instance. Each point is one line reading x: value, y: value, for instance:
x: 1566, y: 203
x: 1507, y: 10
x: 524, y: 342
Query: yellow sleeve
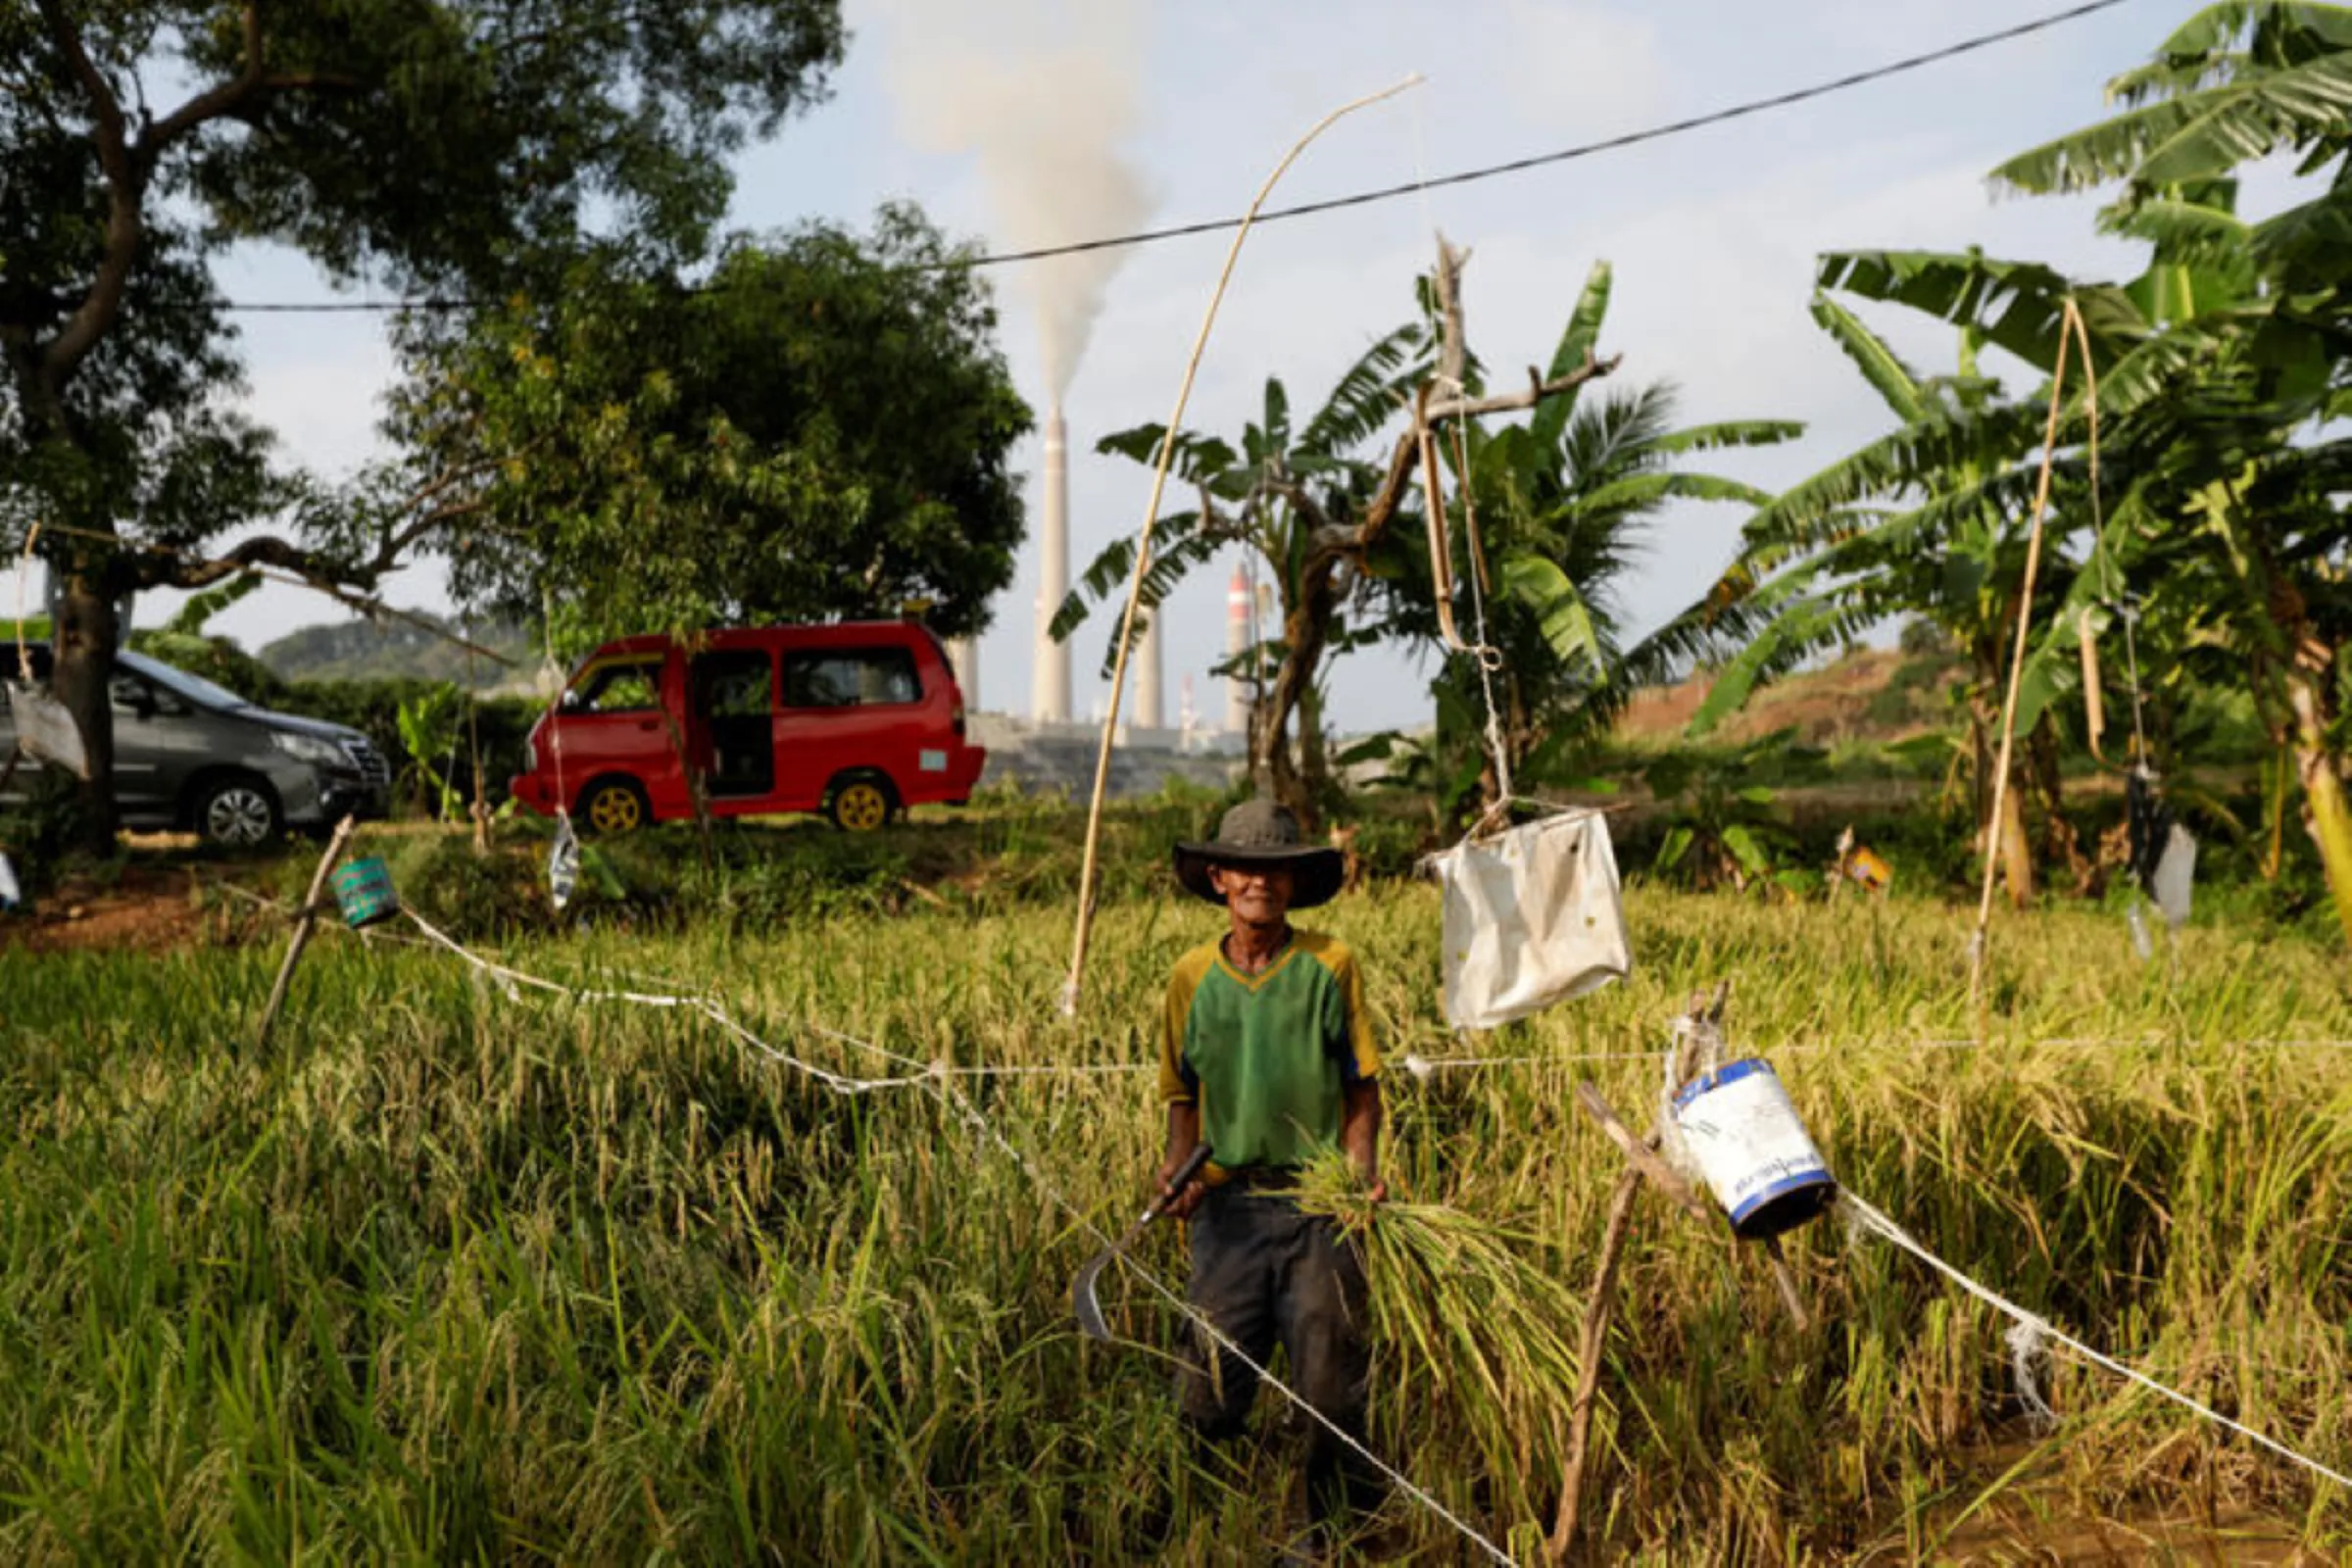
x: 1174, y: 1088
x: 1361, y: 1043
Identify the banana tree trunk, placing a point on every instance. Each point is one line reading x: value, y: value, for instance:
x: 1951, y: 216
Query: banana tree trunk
x: 2007, y: 837
x: 2017, y: 853
x: 2330, y: 821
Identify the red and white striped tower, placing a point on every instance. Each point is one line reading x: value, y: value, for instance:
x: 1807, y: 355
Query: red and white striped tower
x: 1236, y: 643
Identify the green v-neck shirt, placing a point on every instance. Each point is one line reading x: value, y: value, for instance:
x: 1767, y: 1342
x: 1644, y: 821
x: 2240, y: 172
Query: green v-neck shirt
x: 1266, y: 1056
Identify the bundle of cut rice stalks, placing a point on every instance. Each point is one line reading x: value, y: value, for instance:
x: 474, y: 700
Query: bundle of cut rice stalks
x: 1473, y: 1337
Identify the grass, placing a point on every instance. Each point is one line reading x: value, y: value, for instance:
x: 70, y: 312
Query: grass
x: 454, y: 1275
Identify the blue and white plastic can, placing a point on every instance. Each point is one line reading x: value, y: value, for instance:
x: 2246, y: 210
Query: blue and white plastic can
x: 1743, y: 1131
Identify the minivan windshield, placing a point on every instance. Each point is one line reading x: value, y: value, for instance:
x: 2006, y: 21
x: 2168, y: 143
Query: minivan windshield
x: 195, y: 688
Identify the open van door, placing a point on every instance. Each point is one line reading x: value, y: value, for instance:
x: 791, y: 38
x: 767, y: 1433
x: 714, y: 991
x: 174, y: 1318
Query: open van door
x: 731, y: 722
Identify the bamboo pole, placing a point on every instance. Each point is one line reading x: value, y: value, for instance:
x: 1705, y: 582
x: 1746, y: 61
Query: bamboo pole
x: 1142, y: 543
x: 304, y: 919
x: 1980, y: 942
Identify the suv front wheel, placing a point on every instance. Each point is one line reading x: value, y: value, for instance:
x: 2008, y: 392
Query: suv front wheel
x: 237, y: 811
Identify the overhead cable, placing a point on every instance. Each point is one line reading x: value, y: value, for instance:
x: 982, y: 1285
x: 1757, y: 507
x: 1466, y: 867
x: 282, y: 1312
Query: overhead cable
x: 1365, y: 198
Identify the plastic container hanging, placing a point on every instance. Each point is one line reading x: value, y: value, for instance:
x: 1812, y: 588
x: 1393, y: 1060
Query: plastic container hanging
x: 562, y: 862
x: 12, y: 896
x: 365, y: 894
x: 1744, y: 1135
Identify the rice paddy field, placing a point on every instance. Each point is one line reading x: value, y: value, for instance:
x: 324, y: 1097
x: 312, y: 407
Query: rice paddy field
x: 453, y: 1273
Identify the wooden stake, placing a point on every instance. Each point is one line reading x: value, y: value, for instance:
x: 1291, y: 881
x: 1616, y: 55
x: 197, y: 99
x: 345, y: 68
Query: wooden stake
x: 1143, y: 542
x: 1589, y: 1349
x: 304, y: 920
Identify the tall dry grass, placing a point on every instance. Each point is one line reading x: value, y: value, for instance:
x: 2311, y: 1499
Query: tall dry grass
x: 451, y: 1274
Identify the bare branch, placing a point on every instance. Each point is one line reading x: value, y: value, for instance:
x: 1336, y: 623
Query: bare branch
x: 1526, y: 397
x: 1453, y: 352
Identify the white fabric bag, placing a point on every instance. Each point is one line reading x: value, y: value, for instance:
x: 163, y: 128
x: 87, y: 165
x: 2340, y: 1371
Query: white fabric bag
x: 45, y: 730
x: 1532, y: 917
x: 2176, y: 877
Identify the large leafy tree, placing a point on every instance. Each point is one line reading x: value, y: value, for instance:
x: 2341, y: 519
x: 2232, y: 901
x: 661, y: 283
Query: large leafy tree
x: 1320, y: 504
x: 1930, y: 520
x: 820, y: 426
x: 431, y: 145
x: 2241, y: 440
x: 1311, y: 502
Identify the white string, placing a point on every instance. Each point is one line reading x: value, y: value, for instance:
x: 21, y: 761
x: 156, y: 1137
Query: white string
x: 980, y: 1124
x: 933, y: 1079
x: 2042, y: 1328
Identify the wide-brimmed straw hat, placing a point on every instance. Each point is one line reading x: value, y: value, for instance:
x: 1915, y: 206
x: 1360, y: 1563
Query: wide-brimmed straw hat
x: 1262, y: 833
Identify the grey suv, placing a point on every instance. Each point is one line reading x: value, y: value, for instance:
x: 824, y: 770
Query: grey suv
x: 190, y: 754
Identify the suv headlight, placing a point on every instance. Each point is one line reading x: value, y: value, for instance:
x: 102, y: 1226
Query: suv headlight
x: 309, y: 749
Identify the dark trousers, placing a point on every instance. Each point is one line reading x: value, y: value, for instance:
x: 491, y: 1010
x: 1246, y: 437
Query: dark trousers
x: 1266, y: 1274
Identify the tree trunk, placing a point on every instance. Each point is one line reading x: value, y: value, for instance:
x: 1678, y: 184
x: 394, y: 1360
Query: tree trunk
x: 2330, y: 817
x: 2006, y: 838
x: 1306, y: 628
x: 2017, y: 853
x: 82, y: 643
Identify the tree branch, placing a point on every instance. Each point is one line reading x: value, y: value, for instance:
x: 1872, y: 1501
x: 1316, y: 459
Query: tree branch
x: 213, y: 102
x: 1526, y: 397
x: 124, y: 222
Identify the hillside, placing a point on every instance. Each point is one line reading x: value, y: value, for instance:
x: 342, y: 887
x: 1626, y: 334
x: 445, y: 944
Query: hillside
x: 1871, y: 694
x: 364, y: 650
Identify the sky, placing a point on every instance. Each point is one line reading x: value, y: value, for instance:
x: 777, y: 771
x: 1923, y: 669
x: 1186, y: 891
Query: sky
x: 1712, y: 234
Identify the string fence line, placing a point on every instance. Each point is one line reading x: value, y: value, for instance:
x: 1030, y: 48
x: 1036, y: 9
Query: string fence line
x: 2032, y: 1328
x: 936, y: 1080
x: 2028, y: 1335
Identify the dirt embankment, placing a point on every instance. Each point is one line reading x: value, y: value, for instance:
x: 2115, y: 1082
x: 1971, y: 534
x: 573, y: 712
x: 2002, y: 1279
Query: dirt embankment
x: 1871, y: 694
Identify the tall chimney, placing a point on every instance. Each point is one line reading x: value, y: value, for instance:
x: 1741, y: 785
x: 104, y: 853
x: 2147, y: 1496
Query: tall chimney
x: 963, y: 657
x: 1236, y: 643
x: 1150, y: 712
x: 1049, y: 686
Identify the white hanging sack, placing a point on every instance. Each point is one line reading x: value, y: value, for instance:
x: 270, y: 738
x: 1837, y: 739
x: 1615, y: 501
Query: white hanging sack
x: 45, y: 730
x: 1532, y: 917
x: 2176, y: 877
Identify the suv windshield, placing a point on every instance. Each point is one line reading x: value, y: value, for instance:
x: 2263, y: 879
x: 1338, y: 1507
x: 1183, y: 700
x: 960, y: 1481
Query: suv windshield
x: 195, y: 688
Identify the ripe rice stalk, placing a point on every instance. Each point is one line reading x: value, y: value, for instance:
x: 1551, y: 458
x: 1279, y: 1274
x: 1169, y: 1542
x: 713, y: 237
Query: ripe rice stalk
x: 1471, y: 1331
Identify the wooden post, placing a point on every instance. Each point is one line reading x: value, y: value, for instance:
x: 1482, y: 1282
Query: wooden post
x: 304, y: 919
x: 1589, y: 1349
x: 1643, y: 1163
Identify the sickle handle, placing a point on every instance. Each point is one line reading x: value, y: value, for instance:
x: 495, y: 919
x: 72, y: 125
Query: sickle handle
x: 1185, y: 1172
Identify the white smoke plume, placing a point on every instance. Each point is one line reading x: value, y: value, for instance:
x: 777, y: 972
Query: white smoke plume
x: 1043, y: 92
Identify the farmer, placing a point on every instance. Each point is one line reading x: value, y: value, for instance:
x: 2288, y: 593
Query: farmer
x: 1266, y: 1053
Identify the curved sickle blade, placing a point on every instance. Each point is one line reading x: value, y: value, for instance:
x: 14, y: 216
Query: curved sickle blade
x: 1081, y: 1297
x: 1082, y: 1289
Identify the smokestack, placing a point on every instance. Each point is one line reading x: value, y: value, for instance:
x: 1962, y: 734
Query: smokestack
x: 963, y: 657
x: 1049, y: 686
x: 1149, y: 712
x: 1236, y: 643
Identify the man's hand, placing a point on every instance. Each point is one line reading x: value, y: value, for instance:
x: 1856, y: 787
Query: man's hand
x: 1179, y: 1204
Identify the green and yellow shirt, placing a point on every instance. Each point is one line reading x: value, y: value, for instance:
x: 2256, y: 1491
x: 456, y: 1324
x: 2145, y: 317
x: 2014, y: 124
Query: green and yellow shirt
x: 1266, y: 1056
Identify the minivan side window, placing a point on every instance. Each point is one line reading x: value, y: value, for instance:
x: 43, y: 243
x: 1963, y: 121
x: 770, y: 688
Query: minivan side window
x: 624, y: 686
x: 850, y: 677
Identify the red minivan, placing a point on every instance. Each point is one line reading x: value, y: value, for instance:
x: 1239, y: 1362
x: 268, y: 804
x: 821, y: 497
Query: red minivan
x: 857, y: 721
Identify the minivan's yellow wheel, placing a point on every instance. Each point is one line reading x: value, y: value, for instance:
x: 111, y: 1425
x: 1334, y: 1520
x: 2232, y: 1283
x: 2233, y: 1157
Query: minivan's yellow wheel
x: 860, y: 805
x: 614, y: 806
